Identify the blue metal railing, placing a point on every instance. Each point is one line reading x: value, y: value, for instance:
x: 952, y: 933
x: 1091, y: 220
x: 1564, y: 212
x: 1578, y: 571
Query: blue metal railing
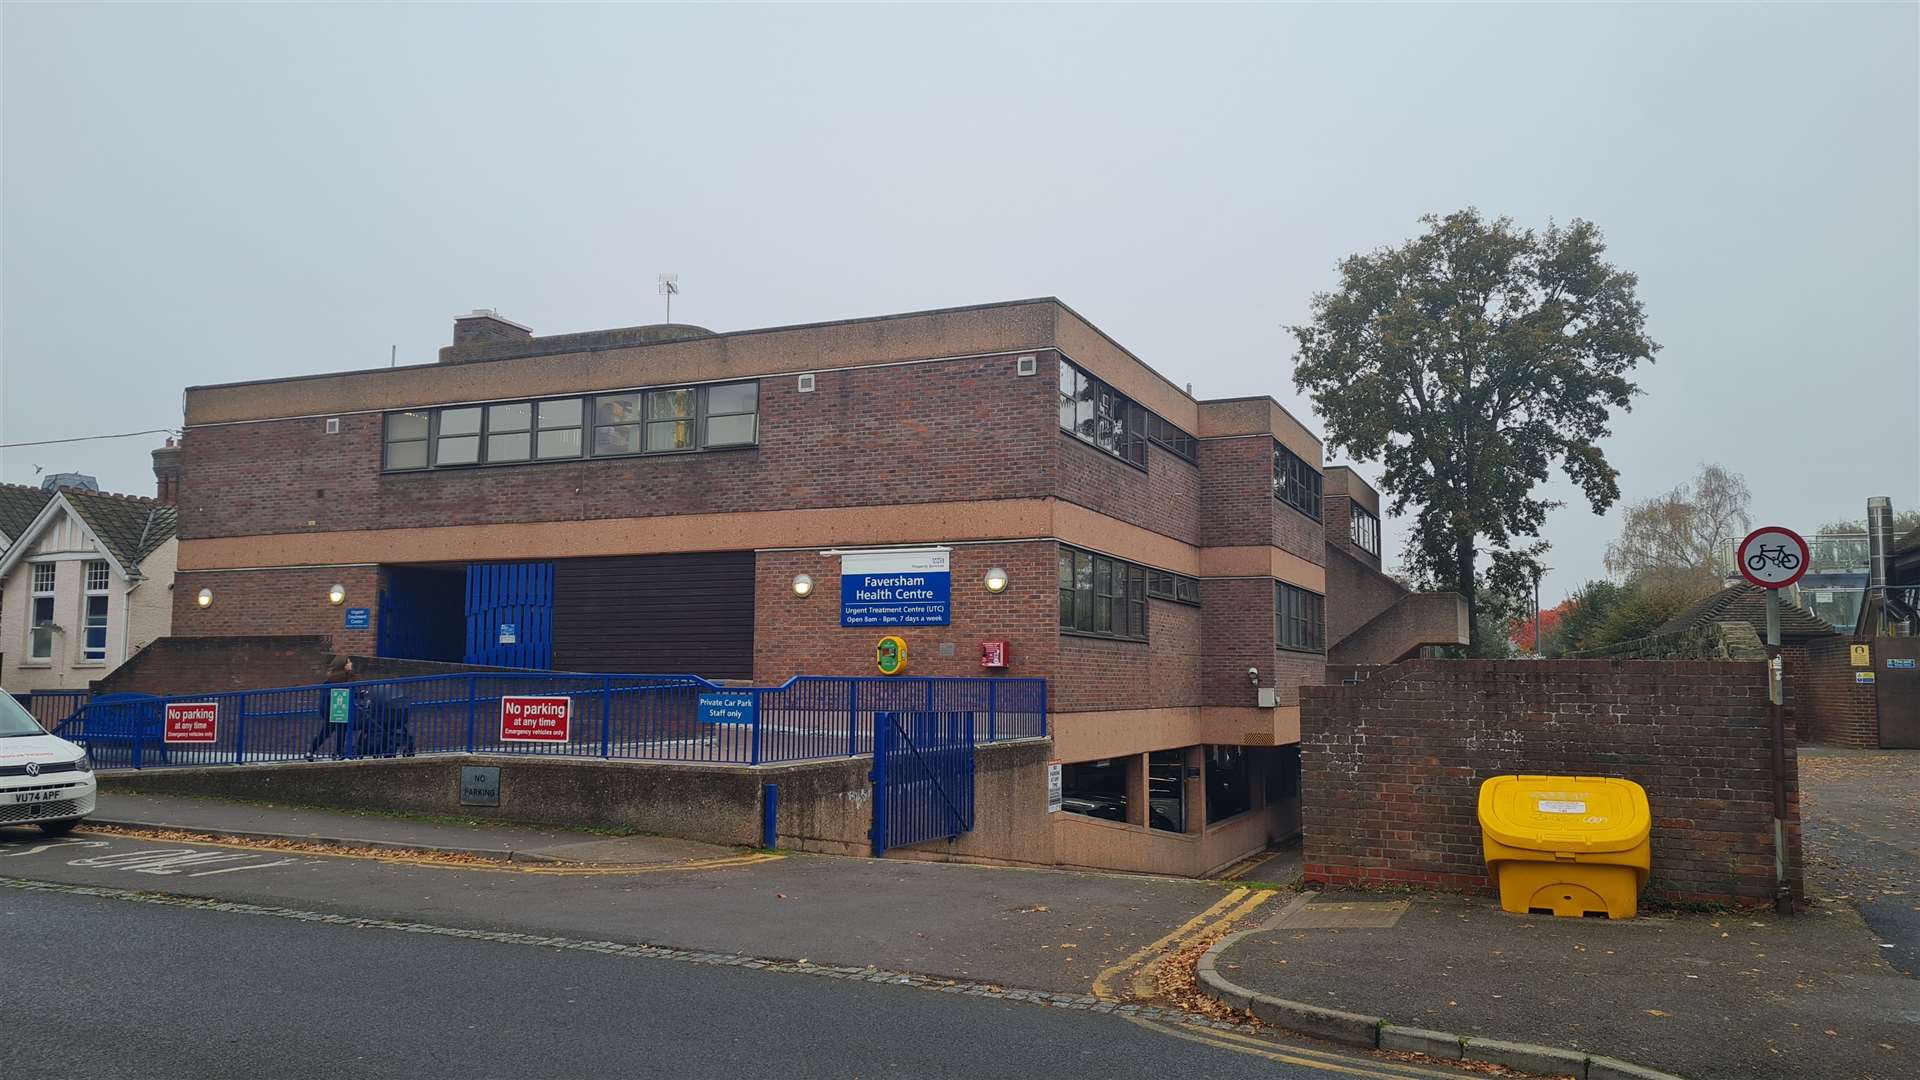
x: 670, y: 718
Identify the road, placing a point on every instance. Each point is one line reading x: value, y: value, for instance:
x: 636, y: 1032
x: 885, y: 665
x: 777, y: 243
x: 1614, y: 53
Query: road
x: 123, y: 956
x: 1861, y: 814
x: 107, y: 987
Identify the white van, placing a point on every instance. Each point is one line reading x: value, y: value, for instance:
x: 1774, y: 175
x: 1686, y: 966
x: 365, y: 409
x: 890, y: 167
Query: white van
x: 44, y: 781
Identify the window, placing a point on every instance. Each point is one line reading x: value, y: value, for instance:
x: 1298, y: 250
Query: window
x: 1101, y: 596
x: 1229, y: 788
x: 40, y: 613
x: 1101, y: 416
x: 732, y: 415
x: 1299, y: 618
x: 1295, y: 482
x: 1167, y: 437
x: 1364, y: 527
x: 407, y: 439
x: 557, y: 432
x: 94, y: 626
x: 459, y: 441
x: 1167, y: 585
x: 669, y: 420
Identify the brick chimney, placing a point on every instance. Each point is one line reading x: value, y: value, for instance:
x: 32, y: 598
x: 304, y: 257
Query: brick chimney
x: 167, y: 469
x: 486, y: 325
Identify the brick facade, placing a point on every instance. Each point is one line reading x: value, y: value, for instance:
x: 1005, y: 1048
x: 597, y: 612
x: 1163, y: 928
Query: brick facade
x: 1829, y: 703
x: 277, y: 602
x: 1391, y: 767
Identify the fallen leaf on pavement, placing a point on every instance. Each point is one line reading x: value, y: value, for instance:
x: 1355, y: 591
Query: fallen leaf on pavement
x: 1657, y: 1012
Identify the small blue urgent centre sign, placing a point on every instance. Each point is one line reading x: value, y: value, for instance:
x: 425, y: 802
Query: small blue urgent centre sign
x: 907, y: 587
x: 359, y: 618
x: 727, y: 707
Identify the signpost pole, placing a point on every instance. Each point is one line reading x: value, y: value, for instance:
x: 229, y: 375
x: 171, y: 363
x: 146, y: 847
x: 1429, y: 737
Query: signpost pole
x: 1776, y: 695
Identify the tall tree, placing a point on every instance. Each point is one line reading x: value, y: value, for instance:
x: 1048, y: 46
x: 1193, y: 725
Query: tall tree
x: 1676, y: 538
x: 1467, y: 361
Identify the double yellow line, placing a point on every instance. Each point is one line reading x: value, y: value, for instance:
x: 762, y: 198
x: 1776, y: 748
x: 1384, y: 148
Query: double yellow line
x: 1351, y: 1065
x: 1141, y: 968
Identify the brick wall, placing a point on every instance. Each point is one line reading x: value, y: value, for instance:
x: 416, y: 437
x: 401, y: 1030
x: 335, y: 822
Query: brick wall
x: 1391, y: 768
x: 292, y: 600
x: 1829, y: 705
x: 959, y: 430
x: 1356, y: 592
x: 802, y: 635
x: 1165, y: 498
x: 1162, y: 672
x: 192, y: 665
x: 1236, y: 486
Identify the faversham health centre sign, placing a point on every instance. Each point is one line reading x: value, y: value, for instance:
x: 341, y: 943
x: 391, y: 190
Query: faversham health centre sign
x: 905, y: 587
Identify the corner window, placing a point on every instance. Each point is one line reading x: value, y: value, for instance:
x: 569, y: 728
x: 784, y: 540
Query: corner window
x: 1299, y: 618
x: 1101, y: 596
x: 94, y: 625
x: 1295, y: 482
x: 1364, y: 528
x: 1167, y: 585
x: 1101, y: 416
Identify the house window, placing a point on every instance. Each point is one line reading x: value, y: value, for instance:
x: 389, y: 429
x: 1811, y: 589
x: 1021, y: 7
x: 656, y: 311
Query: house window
x: 1167, y: 585
x: 1364, y: 527
x: 1299, y: 618
x: 407, y: 439
x: 1295, y: 482
x: 610, y: 425
x: 1164, y: 435
x: 1101, y: 596
x: 1101, y: 416
x: 94, y: 625
x: 40, y: 613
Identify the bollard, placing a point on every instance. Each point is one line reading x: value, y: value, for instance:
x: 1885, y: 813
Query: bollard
x: 770, y: 816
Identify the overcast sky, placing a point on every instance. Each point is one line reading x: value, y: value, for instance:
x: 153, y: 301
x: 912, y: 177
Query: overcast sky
x: 203, y: 194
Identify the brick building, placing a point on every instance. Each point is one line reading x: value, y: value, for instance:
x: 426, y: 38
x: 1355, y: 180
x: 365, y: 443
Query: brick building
x: 655, y: 499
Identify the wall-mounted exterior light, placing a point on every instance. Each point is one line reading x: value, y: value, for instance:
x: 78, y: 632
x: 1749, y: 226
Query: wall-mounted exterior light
x: 337, y: 594
x: 996, y: 580
x: 802, y: 585
x: 205, y: 598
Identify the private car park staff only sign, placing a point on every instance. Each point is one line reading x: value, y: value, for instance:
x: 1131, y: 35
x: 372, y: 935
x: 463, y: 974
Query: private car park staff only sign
x: 535, y: 719
x: 902, y: 587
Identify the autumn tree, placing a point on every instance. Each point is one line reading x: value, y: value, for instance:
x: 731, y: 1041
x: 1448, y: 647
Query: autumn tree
x: 1675, y: 539
x: 1469, y: 361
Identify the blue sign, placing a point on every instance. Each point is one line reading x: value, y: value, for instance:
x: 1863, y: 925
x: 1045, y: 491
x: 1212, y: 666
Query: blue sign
x: 509, y: 634
x: 1899, y: 662
x: 909, y: 587
x: 727, y: 707
x: 896, y: 599
x: 359, y: 618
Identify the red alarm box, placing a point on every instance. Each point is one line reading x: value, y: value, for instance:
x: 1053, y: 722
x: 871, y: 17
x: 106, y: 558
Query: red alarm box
x: 994, y: 654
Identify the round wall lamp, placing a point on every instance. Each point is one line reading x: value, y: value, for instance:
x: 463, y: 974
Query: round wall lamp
x: 337, y: 593
x: 996, y: 580
x: 802, y: 585
x: 205, y: 598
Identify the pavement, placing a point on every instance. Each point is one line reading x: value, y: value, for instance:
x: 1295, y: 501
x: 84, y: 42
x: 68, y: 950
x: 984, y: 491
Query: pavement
x: 122, y: 988
x: 1826, y: 993
x: 479, y: 838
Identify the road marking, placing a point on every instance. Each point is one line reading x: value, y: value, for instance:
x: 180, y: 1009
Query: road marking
x: 1397, y: 1068
x: 1241, y: 1044
x: 445, y: 862
x: 1145, y: 982
x: 1101, y: 984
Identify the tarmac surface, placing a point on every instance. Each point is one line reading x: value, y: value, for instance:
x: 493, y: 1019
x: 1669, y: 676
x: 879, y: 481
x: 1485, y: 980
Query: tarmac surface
x: 1861, y: 827
x: 134, y: 990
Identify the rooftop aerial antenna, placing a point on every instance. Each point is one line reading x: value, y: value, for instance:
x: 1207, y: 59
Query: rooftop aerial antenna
x: 669, y: 287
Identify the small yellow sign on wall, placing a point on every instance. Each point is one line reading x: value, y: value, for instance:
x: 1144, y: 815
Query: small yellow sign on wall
x: 1862, y: 656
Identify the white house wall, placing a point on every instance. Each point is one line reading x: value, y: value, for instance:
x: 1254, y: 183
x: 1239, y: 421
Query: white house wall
x: 134, y: 618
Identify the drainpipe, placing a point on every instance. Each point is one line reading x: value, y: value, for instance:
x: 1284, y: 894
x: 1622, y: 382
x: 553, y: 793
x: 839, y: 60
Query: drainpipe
x: 1776, y: 678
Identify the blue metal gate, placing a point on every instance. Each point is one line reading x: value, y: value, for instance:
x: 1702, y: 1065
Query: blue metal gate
x: 510, y: 614
x: 922, y: 777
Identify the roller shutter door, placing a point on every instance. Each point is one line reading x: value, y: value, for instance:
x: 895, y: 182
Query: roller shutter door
x: 656, y: 614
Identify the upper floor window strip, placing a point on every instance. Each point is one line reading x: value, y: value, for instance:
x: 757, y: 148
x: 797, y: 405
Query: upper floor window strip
x: 1295, y: 482
x: 666, y: 420
x: 1364, y: 528
x: 1101, y: 416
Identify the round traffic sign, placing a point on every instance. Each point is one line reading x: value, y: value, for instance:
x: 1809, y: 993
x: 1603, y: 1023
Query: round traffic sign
x: 1773, y: 557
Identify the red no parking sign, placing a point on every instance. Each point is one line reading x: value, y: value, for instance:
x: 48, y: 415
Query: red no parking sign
x: 535, y: 719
